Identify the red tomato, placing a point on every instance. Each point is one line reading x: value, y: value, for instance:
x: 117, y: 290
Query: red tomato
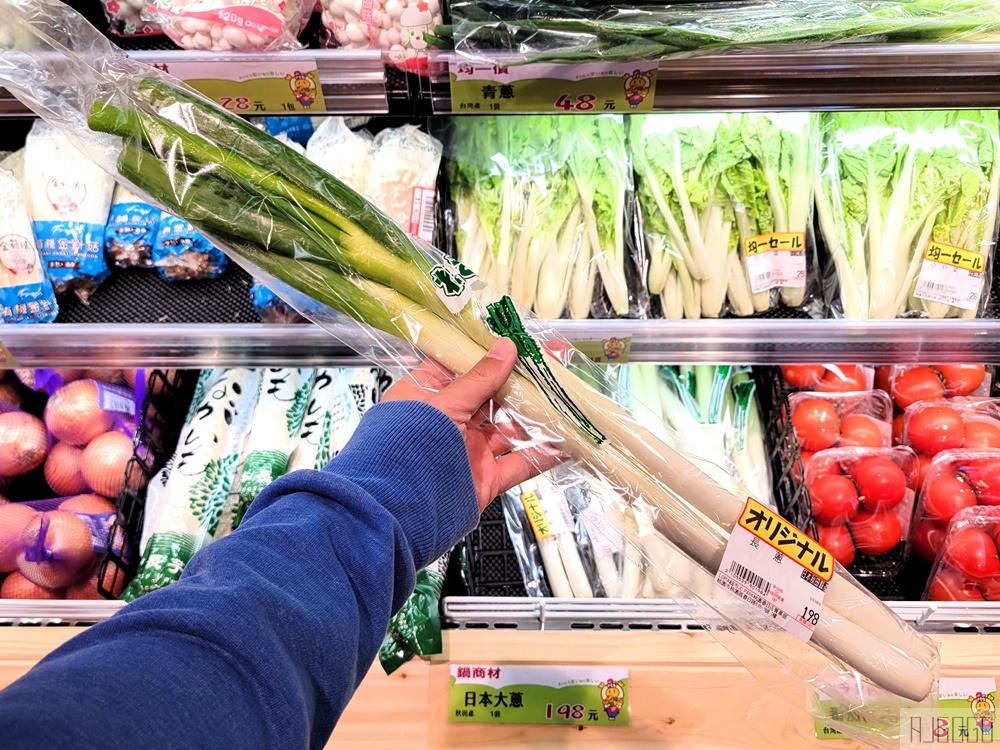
x: 897, y: 429
x: 984, y: 476
x: 837, y: 541
x: 805, y: 457
x: 945, y: 495
x: 991, y: 589
x: 961, y: 380
x: 816, y: 424
x: 883, y: 378
x: 881, y: 483
x: 923, y: 461
x: 821, y: 464
x: 949, y: 586
x: 860, y: 430
x: 876, y: 533
x: 981, y: 434
x: 834, y: 499
x: 927, y: 538
x: 932, y: 429
x: 802, y: 376
x: 973, y: 553
x: 842, y: 379
x: 914, y: 384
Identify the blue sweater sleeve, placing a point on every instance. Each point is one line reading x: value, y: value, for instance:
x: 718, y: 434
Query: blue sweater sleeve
x: 265, y: 637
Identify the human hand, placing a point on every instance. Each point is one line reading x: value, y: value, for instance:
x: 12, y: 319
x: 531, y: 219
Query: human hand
x: 467, y: 400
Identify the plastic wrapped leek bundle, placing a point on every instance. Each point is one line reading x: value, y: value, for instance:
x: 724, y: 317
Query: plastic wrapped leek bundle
x: 541, y: 210
x: 726, y: 202
x: 333, y: 256
x: 537, y: 30
x: 907, y: 204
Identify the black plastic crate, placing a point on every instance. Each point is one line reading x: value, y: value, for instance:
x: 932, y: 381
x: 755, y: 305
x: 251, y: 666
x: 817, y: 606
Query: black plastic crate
x: 168, y: 395
x: 492, y: 563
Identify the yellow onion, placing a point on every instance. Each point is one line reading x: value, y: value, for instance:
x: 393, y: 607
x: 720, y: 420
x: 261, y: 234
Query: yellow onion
x: 104, y: 462
x: 74, y: 415
x: 115, y: 377
x: 86, y: 588
x: 93, y: 505
x: 11, y: 393
x: 63, y: 471
x: 23, y: 443
x: 14, y: 519
x: 57, y: 549
x: 16, y: 586
x: 129, y: 376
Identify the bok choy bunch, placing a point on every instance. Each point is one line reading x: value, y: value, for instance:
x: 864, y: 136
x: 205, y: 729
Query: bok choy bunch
x: 540, y: 207
x: 726, y: 202
x: 907, y: 204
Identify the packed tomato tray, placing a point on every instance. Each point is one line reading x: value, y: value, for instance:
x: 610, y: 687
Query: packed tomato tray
x: 896, y: 470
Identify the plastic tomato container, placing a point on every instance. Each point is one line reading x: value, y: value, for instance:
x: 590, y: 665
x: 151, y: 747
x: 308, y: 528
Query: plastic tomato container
x: 908, y: 384
x: 955, y: 481
x: 967, y: 565
x: 932, y: 427
x: 840, y: 420
x: 827, y: 378
x: 861, y: 505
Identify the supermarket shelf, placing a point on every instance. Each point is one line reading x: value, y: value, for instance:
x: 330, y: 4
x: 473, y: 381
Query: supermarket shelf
x: 896, y: 76
x: 28, y: 613
x: 354, y: 81
x: 754, y: 341
x: 473, y: 613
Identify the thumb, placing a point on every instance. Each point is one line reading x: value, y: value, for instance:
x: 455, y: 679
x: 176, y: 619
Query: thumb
x: 463, y: 397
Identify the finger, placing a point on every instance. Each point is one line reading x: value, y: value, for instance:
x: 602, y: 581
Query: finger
x: 515, y: 468
x: 496, y: 441
x: 431, y: 375
x: 463, y: 398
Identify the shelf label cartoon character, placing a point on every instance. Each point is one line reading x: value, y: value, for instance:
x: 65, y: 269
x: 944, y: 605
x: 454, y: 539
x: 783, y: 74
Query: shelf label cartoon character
x: 416, y: 20
x: 613, y: 697
x: 614, y: 348
x: 303, y: 88
x: 637, y: 87
x: 984, y: 709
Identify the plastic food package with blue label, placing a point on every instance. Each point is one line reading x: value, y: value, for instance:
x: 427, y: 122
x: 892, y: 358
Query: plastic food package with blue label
x: 182, y: 253
x: 26, y: 294
x: 801, y: 620
x: 131, y: 230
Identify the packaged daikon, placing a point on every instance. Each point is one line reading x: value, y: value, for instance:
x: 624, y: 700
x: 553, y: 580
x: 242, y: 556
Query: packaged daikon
x: 69, y: 198
x: 331, y: 417
x: 184, y: 502
x: 131, y: 230
x: 26, y: 294
x: 402, y: 172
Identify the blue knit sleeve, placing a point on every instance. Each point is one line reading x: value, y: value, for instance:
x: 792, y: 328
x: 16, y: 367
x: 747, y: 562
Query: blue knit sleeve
x: 270, y: 630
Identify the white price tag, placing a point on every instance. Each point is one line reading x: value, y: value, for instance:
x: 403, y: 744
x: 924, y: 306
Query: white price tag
x: 422, y: 213
x: 605, y: 536
x: 556, y: 511
x: 951, y: 275
x: 775, y: 260
x: 776, y: 569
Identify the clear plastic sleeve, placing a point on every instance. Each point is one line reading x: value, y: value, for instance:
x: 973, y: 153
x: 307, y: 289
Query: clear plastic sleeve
x: 967, y: 566
x: 337, y: 259
x: 827, y: 378
x: 397, y: 27
x: 907, y: 205
x: 542, y: 208
x: 908, y: 384
x: 131, y: 230
x: 231, y: 25
x: 861, y: 500
x: 52, y: 549
x: 953, y: 482
x: 726, y: 205
x: 341, y: 151
x: 26, y: 294
x: 540, y: 30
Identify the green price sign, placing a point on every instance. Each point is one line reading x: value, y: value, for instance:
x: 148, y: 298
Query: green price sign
x: 552, y: 88
x: 498, y: 694
x: 264, y: 88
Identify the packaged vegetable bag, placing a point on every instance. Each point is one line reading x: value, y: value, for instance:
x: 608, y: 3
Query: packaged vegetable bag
x: 26, y: 294
x: 182, y: 253
x: 397, y: 299
x: 69, y: 197
x: 131, y: 231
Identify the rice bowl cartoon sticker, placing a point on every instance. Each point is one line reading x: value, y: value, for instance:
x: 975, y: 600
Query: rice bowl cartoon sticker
x: 500, y: 694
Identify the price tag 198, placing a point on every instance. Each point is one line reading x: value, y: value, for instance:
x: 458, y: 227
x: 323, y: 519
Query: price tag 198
x: 263, y: 88
x: 552, y: 87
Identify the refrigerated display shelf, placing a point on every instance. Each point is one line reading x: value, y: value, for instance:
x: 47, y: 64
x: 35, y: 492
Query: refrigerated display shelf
x: 756, y: 342
x: 26, y: 613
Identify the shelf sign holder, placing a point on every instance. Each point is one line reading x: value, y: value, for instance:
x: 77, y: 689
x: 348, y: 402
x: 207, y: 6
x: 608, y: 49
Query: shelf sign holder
x: 7, y: 360
x: 551, y: 88
x: 277, y: 87
x: 510, y: 694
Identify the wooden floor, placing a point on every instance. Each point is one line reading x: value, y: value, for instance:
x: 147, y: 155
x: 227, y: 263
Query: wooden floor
x: 686, y: 692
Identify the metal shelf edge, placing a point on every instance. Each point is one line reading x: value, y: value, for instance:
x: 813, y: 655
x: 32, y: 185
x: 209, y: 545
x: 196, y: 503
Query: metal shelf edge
x: 54, y: 613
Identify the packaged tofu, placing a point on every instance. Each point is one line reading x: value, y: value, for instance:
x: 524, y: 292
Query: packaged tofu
x: 26, y: 294
x: 131, y: 230
x: 69, y: 198
x: 182, y: 253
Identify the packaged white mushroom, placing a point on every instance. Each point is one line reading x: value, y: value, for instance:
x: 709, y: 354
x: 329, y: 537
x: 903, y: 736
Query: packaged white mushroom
x: 402, y: 175
x: 232, y: 25
x: 395, y: 26
x: 131, y: 230
x: 69, y: 198
x: 26, y: 294
x: 341, y: 151
x: 125, y: 18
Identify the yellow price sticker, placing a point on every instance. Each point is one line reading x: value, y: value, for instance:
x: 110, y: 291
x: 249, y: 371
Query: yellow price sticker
x: 536, y: 516
x: 774, y: 530
x: 958, y: 257
x: 788, y: 242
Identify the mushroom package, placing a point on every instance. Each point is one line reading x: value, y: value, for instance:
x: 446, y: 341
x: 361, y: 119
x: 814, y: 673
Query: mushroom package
x: 395, y: 26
